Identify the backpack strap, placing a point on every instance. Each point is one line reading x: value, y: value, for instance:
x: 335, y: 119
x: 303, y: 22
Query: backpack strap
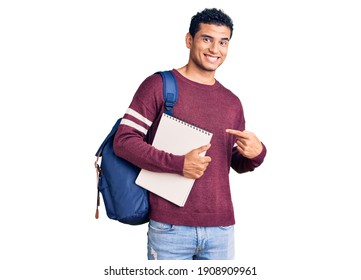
x: 170, y: 91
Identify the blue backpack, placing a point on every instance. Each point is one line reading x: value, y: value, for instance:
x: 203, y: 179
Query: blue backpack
x: 124, y: 200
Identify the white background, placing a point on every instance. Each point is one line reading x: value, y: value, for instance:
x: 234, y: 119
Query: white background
x: 68, y: 70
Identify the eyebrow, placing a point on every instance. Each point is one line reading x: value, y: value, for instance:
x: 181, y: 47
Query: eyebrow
x: 210, y: 37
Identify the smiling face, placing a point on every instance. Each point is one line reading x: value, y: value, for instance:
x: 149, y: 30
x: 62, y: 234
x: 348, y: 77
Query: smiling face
x: 209, y: 47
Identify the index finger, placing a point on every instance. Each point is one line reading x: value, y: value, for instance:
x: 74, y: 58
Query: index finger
x: 236, y: 133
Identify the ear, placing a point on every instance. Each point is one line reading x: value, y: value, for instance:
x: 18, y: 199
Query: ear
x: 189, y: 40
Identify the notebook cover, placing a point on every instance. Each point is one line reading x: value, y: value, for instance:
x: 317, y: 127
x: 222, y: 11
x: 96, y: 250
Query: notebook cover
x: 177, y: 137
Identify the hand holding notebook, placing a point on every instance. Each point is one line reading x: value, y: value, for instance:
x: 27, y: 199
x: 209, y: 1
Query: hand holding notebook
x: 196, y: 162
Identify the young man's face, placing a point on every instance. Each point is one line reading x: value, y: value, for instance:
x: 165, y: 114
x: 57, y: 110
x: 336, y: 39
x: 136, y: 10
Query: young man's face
x: 208, y: 48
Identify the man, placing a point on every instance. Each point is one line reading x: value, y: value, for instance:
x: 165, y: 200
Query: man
x: 203, y: 228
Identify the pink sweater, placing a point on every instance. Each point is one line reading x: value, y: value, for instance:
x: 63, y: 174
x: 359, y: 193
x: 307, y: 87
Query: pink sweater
x: 211, y: 107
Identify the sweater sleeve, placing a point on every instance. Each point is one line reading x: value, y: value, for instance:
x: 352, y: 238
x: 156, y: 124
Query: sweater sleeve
x: 242, y: 164
x: 138, y: 126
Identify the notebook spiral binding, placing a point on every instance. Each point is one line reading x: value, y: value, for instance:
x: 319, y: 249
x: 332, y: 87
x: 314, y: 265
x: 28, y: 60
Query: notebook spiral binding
x: 189, y: 125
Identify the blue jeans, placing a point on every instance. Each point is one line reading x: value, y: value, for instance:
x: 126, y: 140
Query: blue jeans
x: 172, y: 242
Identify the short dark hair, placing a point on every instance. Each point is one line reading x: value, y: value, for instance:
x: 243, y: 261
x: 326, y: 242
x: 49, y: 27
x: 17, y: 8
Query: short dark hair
x: 210, y: 16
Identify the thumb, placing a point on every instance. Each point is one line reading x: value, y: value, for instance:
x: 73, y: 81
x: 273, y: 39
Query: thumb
x: 202, y: 149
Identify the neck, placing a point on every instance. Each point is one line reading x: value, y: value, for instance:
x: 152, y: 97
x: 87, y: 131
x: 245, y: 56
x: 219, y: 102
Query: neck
x: 197, y: 75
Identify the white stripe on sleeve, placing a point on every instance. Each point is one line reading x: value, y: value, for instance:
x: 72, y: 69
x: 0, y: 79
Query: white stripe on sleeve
x: 138, y: 116
x: 134, y: 125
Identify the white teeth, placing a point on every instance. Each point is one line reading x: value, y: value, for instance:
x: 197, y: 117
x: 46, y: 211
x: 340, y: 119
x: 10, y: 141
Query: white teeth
x: 212, y: 58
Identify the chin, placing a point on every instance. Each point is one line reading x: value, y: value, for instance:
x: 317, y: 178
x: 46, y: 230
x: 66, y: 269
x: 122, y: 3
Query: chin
x: 211, y: 68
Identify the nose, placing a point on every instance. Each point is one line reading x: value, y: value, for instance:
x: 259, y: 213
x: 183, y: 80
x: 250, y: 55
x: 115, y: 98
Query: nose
x: 214, y: 47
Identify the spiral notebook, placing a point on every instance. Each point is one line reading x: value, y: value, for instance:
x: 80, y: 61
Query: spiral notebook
x: 177, y: 137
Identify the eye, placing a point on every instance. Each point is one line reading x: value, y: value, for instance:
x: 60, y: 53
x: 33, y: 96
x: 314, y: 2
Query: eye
x: 223, y: 43
x: 207, y: 40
